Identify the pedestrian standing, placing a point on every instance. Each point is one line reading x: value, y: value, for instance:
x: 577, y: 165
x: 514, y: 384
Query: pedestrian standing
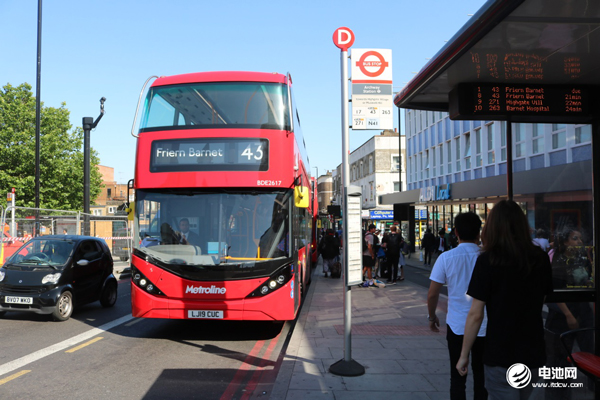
x: 368, y: 256
x: 392, y: 243
x: 428, y: 244
x: 510, y: 280
x: 329, y: 249
x: 454, y: 268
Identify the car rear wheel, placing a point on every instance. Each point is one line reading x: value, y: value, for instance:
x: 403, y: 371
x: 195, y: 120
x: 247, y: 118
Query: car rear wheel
x: 108, y: 298
x: 64, y: 307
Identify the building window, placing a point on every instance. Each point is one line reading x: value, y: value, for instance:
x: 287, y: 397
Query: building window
x: 97, y: 212
x: 559, y: 136
x: 433, y: 163
x: 467, y: 151
x: 362, y: 170
x: 457, y: 143
x: 537, y: 135
x: 109, y: 193
x: 441, y: 152
x: 583, y: 134
x: 112, y: 209
x: 449, y: 152
x: 519, y: 135
x: 426, y: 161
x: 478, y: 161
x: 396, y: 186
x: 490, y: 144
x: 395, y: 163
x: 371, y: 165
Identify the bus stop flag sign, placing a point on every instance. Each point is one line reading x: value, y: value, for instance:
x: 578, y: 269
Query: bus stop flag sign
x: 343, y: 38
x: 372, y: 102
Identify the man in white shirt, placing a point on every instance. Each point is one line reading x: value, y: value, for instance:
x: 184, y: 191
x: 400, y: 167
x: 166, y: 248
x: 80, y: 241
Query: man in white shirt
x: 454, y: 269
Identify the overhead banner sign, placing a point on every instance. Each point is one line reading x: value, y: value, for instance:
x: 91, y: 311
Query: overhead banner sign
x: 372, y: 101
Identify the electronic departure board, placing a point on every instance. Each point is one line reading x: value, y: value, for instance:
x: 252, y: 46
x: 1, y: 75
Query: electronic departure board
x: 539, y: 103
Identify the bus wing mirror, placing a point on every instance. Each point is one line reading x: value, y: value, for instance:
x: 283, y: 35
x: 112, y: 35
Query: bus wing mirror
x: 130, y: 210
x: 301, y: 198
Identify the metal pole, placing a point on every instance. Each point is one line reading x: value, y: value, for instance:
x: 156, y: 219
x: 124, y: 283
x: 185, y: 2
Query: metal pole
x: 596, y: 225
x: 345, y: 184
x: 38, y: 95
x: 87, y: 127
x: 509, y: 160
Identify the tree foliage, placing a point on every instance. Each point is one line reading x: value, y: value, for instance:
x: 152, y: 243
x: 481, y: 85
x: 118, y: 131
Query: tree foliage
x: 61, y: 153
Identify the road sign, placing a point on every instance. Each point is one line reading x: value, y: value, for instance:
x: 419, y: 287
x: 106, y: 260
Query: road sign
x: 372, y: 102
x: 343, y: 38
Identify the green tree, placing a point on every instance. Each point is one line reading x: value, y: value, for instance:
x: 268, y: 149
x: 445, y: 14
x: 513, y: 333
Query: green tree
x: 61, y: 153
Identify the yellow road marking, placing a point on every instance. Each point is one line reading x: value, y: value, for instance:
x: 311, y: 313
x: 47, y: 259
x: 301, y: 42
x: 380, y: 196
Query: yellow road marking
x: 14, y: 376
x: 74, y: 349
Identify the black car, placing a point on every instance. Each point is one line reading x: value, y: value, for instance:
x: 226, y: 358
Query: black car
x: 51, y: 274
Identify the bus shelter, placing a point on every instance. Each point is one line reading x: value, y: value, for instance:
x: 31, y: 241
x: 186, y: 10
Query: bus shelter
x: 531, y: 62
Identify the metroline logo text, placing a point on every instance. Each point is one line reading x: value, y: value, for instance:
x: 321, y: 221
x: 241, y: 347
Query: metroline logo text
x: 205, y: 290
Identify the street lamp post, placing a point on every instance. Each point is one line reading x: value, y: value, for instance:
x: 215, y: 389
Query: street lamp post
x: 88, y: 125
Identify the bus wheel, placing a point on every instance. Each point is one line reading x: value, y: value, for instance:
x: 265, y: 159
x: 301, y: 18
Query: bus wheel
x: 64, y: 307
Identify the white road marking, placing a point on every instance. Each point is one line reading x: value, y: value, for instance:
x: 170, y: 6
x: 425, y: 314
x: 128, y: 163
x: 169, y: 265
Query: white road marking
x: 28, y: 359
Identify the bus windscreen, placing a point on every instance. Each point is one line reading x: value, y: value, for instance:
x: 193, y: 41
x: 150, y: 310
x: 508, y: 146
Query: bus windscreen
x: 216, y: 105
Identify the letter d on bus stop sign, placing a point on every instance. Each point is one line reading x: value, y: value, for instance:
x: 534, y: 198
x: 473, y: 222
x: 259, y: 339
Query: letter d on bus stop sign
x: 343, y: 38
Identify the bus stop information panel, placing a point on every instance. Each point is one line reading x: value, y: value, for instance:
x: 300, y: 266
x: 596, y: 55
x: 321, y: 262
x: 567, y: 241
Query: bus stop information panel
x: 542, y: 103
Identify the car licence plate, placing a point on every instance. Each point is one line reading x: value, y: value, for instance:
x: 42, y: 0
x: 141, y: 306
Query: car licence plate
x: 206, y: 314
x: 18, y: 300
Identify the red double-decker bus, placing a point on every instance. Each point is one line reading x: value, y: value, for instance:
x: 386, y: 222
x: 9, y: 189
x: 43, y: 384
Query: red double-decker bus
x: 223, y: 210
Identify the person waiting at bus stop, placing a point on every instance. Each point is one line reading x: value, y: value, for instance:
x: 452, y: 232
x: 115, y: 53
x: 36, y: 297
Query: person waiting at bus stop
x: 369, y: 256
x: 329, y: 249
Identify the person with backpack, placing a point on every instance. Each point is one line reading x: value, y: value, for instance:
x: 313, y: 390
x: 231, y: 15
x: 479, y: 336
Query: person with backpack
x: 329, y: 249
x: 368, y: 255
x: 393, y: 244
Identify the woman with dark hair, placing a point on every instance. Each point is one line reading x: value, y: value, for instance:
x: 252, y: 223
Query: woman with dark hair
x: 510, y: 280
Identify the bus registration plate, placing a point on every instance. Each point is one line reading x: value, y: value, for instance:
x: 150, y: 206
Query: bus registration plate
x: 18, y: 300
x: 207, y: 314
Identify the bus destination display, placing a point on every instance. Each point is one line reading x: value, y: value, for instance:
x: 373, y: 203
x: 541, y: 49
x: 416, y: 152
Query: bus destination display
x: 210, y: 154
x: 500, y: 101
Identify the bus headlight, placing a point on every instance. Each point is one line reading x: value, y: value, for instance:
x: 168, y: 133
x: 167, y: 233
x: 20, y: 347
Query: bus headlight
x: 274, y: 282
x: 141, y: 281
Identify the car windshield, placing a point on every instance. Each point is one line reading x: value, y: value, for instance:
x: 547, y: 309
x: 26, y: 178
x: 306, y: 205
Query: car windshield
x: 210, y: 229
x: 216, y: 105
x: 43, y: 252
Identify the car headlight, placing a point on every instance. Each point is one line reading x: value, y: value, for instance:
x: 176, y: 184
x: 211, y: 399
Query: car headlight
x: 2, y: 275
x: 51, y: 278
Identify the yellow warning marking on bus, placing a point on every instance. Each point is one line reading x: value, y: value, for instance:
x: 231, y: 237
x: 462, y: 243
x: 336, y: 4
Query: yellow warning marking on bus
x: 81, y: 346
x: 14, y: 376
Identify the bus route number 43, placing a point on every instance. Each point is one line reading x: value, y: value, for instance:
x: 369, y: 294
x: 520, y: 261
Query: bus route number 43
x: 257, y: 155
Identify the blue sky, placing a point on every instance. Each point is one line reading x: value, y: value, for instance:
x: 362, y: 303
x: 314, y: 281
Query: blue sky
x: 96, y: 48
